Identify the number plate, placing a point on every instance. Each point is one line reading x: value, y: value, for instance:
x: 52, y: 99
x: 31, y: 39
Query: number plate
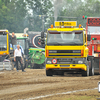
x: 64, y: 65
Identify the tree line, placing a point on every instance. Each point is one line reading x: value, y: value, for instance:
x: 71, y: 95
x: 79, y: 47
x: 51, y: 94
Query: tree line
x: 15, y: 15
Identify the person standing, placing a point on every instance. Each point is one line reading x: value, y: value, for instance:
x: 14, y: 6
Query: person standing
x: 10, y: 44
x: 13, y: 40
x: 18, y: 58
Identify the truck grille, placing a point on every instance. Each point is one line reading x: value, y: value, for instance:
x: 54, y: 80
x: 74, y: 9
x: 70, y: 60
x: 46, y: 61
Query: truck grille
x: 62, y: 62
x: 64, y: 52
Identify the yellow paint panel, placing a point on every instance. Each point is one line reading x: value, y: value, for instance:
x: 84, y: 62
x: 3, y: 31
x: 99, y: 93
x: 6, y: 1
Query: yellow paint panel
x: 66, y: 23
x: 64, y: 53
x: 76, y: 66
x: 6, y: 30
x: 98, y: 47
x: 64, y: 47
x: 65, y: 29
x: 3, y: 53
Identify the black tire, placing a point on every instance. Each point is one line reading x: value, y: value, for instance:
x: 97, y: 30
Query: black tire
x: 86, y: 73
x: 39, y: 66
x: 91, y: 68
x: 49, y: 72
x: 91, y: 72
x: 61, y: 73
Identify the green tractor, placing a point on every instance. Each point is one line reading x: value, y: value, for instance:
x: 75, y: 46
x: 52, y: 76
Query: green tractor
x: 37, y: 56
x: 33, y: 58
x: 36, y: 51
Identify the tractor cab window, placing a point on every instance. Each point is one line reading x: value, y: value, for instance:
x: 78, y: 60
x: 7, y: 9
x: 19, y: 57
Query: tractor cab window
x: 27, y: 44
x: 3, y: 42
x: 21, y: 43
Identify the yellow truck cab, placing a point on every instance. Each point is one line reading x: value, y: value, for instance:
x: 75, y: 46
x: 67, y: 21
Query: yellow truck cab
x: 5, y: 54
x: 4, y: 44
x: 66, y: 49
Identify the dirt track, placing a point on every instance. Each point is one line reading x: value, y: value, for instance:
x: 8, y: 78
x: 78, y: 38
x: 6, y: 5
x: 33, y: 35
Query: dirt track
x: 23, y: 85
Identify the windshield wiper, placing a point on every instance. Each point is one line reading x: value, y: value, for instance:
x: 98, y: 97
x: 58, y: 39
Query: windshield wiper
x: 70, y: 43
x: 75, y: 43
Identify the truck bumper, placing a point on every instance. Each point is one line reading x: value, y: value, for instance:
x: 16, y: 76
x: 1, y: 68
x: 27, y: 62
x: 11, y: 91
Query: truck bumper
x: 66, y: 66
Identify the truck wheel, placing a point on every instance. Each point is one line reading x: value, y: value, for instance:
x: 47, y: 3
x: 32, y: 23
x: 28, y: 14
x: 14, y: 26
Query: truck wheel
x: 49, y: 72
x: 91, y: 72
x: 61, y: 73
x: 86, y: 73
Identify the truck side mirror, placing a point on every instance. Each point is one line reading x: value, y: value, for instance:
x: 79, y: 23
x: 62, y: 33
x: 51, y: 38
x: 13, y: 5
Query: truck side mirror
x: 42, y: 35
x: 42, y: 38
x: 88, y: 37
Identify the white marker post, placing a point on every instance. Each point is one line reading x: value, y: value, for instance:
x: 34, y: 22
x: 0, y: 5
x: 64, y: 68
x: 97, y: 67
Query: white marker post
x: 99, y: 87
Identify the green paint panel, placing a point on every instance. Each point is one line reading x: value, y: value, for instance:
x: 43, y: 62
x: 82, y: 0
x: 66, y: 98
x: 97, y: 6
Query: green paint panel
x: 37, y: 55
x: 21, y: 37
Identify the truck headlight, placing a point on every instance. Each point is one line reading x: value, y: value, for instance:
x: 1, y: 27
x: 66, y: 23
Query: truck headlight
x: 80, y: 62
x: 49, y: 62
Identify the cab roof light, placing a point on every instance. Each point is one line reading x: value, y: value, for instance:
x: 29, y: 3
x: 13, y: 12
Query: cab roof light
x: 52, y: 26
x: 25, y: 35
x: 80, y: 26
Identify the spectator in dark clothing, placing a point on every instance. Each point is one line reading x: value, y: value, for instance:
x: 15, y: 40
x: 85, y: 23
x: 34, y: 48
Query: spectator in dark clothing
x: 10, y: 38
x: 13, y: 40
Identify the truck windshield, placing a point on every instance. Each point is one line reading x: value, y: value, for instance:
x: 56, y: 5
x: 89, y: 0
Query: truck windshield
x: 3, y: 42
x: 21, y: 43
x: 93, y: 29
x: 65, y: 38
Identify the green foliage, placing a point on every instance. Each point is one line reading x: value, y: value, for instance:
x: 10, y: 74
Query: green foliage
x: 12, y: 15
x: 38, y: 7
x: 75, y: 8
x: 15, y: 15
